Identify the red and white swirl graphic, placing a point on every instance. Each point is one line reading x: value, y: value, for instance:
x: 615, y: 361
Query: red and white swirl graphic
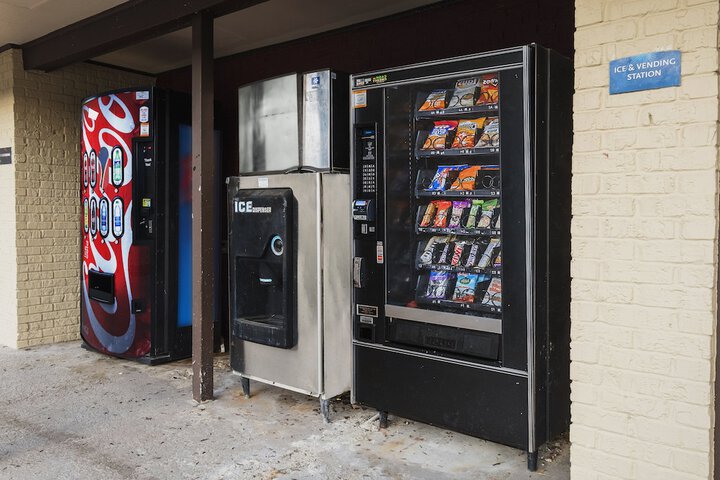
x: 112, y: 327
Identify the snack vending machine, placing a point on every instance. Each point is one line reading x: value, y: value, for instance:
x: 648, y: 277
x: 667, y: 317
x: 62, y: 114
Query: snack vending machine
x: 461, y: 236
x: 136, y: 236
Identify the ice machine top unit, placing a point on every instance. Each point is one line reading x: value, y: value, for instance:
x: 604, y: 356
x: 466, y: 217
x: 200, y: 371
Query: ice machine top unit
x: 294, y: 122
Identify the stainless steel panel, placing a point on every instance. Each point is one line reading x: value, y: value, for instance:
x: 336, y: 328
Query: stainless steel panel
x: 297, y: 367
x: 469, y: 322
x: 337, y: 321
x: 316, y: 120
x: 269, y: 125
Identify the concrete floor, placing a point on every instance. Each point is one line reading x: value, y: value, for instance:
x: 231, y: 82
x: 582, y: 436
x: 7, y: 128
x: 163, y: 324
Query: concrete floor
x: 66, y: 413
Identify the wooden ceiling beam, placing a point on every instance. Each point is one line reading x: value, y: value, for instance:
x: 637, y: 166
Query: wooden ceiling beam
x: 126, y: 24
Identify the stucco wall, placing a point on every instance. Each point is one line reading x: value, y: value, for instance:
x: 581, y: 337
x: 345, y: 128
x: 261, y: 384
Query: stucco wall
x: 645, y: 207
x: 46, y: 140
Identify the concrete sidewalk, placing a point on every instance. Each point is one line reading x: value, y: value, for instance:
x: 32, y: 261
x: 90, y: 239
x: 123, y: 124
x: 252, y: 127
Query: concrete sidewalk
x: 66, y: 413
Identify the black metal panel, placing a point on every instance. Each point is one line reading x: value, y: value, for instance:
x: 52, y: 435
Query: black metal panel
x: 368, y: 178
x: 339, y: 114
x: 450, y: 66
x: 482, y: 403
x: 262, y: 265
x: 101, y: 286
x: 554, y: 106
x: 512, y: 151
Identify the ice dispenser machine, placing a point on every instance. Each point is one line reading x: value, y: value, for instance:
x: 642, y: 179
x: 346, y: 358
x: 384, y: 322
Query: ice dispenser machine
x: 262, y: 273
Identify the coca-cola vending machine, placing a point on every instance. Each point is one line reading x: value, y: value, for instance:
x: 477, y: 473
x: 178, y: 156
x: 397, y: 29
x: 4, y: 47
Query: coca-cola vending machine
x: 136, y: 226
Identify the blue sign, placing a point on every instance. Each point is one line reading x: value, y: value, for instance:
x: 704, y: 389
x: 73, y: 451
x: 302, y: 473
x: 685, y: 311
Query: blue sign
x: 645, y: 72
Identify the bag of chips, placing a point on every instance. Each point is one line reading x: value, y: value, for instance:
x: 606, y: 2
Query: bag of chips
x: 465, y: 287
x: 439, y: 135
x: 493, y: 295
x: 440, y: 179
x: 498, y: 261
x: 465, y: 137
x: 438, y: 284
x: 434, y: 101
x: 488, y: 209
x: 465, y: 93
x: 426, y: 258
x: 429, y: 214
x: 441, y: 217
x: 490, y: 136
x: 488, y: 90
x: 457, y: 211
x: 466, y: 180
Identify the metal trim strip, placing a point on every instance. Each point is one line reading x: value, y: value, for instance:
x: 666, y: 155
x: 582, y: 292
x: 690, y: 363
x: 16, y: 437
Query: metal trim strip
x: 529, y: 256
x: 480, y: 366
x: 468, y: 322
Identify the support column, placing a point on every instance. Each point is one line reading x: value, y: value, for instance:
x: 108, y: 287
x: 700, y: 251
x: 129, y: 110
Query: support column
x: 203, y: 206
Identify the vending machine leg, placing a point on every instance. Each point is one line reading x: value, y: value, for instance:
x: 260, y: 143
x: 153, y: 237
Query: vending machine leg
x: 532, y: 460
x: 383, y: 419
x: 245, y: 382
x: 325, y: 409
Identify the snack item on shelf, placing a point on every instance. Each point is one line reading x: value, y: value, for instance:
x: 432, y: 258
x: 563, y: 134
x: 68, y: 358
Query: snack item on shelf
x: 434, y: 101
x: 429, y: 214
x: 474, y: 211
x: 466, y: 178
x: 439, y: 181
x: 465, y: 93
x: 465, y: 136
x: 473, y: 255
x: 441, y: 217
x: 465, y: 287
x: 445, y: 254
x: 487, y: 213
x: 457, y: 211
x: 437, y: 140
x: 490, y: 136
x: 426, y: 257
x: 498, y: 260
x: 438, y: 284
x: 497, y: 222
x: 458, y: 252
x: 488, y: 90
x: 487, y: 255
x: 493, y: 294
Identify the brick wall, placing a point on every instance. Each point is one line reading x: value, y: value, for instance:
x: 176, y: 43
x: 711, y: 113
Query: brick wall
x: 645, y: 206
x: 47, y: 169
x: 8, y: 265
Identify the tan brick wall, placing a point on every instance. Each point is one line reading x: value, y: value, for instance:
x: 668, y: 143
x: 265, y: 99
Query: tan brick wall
x: 47, y: 171
x: 645, y: 222
x: 8, y: 265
